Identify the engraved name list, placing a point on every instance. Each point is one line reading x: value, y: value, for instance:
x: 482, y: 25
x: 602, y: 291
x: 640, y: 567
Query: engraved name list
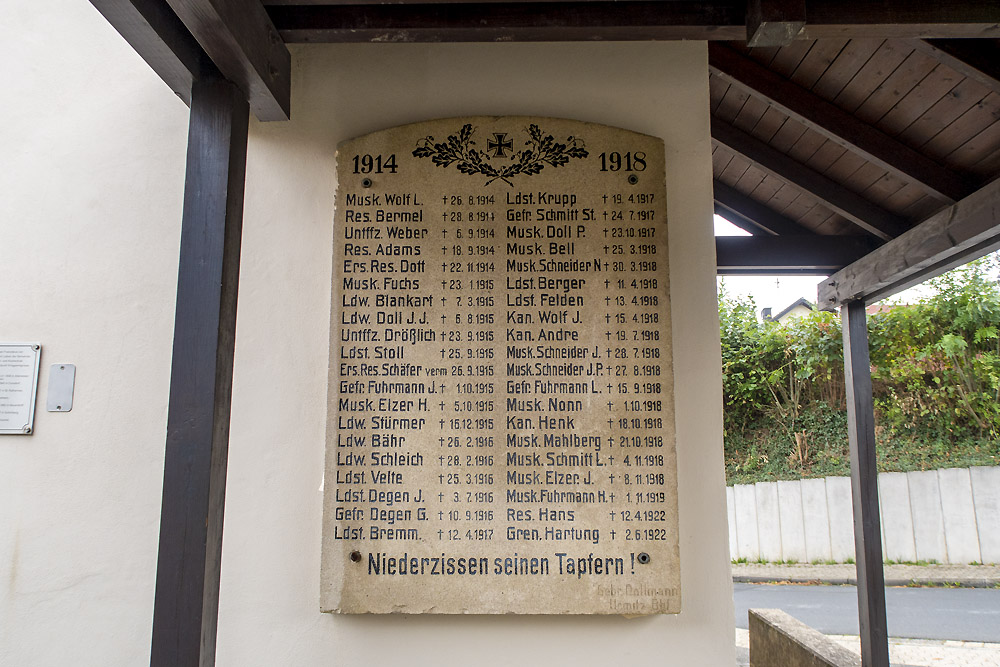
x: 500, y: 422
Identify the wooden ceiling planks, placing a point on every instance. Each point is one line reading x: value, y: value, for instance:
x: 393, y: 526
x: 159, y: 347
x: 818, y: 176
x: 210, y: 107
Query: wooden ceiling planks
x: 751, y: 179
x: 816, y: 62
x: 939, y: 82
x: 788, y: 58
x: 944, y: 144
x: 767, y: 188
x: 732, y: 103
x: 890, y: 55
x: 976, y: 59
x: 824, y: 117
x: 894, y: 87
x: 750, y: 115
x: 824, y: 157
x: 735, y: 170
x: 883, y: 188
x: 959, y: 100
x: 922, y: 207
x: 897, y: 88
x: 717, y: 89
x: 769, y: 124
x: 808, y: 143
x: 846, y: 166
x: 852, y: 57
x: 978, y: 150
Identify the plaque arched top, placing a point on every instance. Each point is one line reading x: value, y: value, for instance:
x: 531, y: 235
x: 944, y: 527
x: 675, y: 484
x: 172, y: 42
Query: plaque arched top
x: 496, y: 151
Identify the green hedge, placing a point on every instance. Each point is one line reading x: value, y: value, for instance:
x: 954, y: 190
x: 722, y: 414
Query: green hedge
x: 935, y: 371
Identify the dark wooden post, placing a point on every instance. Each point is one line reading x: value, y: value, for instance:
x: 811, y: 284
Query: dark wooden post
x: 864, y: 487
x: 185, y: 610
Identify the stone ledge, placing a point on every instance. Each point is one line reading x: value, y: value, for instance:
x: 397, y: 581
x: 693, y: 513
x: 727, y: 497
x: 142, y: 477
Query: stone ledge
x: 779, y: 640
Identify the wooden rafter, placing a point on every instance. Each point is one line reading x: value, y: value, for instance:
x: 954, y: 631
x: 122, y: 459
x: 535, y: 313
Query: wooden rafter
x: 735, y: 204
x: 836, y: 124
x: 159, y: 37
x: 975, y: 59
x: 820, y: 255
x: 243, y: 43
x: 854, y: 207
x: 949, y: 238
x: 900, y: 18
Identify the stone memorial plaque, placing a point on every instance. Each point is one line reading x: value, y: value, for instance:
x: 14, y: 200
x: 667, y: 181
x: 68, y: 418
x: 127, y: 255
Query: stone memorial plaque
x: 501, y: 413
x: 18, y: 387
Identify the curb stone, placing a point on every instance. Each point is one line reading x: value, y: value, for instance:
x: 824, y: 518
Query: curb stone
x: 964, y: 576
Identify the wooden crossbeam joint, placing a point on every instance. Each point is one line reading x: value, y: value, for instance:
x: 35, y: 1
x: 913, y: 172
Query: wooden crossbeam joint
x: 949, y: 238
x: 153, y: 30
x: 774, y: 22
x: 243, y: 43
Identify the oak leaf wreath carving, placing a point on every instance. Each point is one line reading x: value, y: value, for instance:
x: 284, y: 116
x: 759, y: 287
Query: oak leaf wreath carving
x: 540, y: 151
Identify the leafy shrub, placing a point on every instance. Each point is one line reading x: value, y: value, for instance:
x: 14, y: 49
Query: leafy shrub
x: 935, y: 374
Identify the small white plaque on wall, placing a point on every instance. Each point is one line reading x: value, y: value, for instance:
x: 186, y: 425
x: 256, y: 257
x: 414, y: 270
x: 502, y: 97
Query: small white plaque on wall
x: 18, y: 387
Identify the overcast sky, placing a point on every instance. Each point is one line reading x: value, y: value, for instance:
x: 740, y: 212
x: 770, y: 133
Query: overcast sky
x: 774, y: 292
x: 779, y: 292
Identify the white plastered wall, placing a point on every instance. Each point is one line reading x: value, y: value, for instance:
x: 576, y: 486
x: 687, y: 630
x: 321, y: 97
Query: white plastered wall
x: 91, y: 180
x: 88, y: 253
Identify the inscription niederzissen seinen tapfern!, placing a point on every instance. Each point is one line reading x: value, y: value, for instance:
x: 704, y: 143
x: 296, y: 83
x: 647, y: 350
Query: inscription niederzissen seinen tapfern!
x: 540, y: 151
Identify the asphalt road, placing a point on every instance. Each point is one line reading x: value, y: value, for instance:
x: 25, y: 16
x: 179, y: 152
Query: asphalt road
x: 968, y: 614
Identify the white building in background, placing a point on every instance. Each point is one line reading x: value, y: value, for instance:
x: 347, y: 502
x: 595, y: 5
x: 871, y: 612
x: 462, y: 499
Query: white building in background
x: 799, y: 308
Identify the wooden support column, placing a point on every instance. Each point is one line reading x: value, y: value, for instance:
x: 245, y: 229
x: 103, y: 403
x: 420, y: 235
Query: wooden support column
x: 185, y: 610
x: 864, y: 487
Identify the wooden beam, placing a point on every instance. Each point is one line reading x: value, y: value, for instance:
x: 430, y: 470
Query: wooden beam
x: 511, y: 21
x: 374, y: 20
x: 185, y: 608
x: 977, y: 59
x: 949, y: 238
x: 774, y: 22
x: 742, y: 210
x: 837, y: 125
x: 243, y: 43
x: 864, y: 487
x: 847, y: 203
x: 153, y: 30
x: 901, y: 19
x: 765, y: 255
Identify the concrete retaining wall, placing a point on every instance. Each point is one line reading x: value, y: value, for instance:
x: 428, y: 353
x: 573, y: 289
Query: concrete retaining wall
x: 779, y: 640
x: 948, y: 516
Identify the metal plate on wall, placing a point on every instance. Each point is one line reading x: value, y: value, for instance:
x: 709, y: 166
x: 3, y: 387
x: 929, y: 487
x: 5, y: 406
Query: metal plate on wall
x: 19, y: 364
x: 62, y: 378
